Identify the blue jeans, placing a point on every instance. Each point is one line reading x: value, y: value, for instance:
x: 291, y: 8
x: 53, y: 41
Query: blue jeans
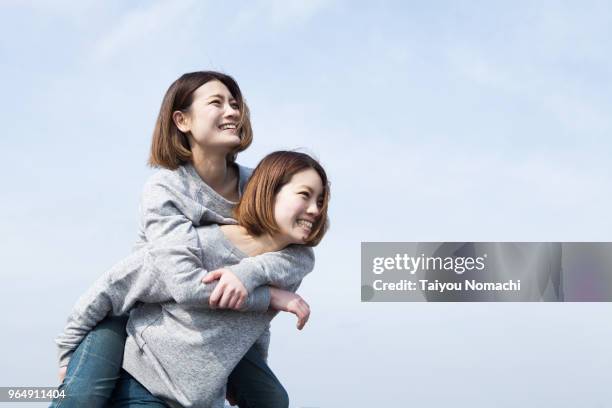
x: 95, y: 369
x: 253, y: 384
x: 130, y: 393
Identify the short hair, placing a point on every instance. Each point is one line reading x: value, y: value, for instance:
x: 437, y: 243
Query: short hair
x: 170, y: 147
x: 255, y: 210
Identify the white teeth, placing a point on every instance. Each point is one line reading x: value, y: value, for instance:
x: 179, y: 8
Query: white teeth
x: 228, y: 126
x: 304, y: 223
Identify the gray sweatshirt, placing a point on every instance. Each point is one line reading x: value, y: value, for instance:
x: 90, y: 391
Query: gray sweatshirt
x: 185, y: 353
x: 167, y: 261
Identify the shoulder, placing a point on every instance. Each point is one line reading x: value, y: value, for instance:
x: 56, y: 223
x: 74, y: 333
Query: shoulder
x: 244, y: 174
x: 168, y: 185
x: 214, y: 242
x: 163, y: 177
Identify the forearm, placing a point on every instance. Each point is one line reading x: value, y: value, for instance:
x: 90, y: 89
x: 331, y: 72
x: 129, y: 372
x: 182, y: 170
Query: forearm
x: 281, y: 269
x: 180, y: 268
x: 131, y: 280
x: 90, y: 309
x: 278, y: 297
x: 171, y: 208
x: 288, y: 301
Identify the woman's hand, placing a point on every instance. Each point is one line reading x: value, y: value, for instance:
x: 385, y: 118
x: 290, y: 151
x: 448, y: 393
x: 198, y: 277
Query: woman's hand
x: 290, y: 302
x: 230, y: 293
x: 62, y: 373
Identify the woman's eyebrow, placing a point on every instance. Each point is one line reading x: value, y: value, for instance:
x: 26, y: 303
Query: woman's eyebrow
x: 306, y: 187
x: 231, y: 99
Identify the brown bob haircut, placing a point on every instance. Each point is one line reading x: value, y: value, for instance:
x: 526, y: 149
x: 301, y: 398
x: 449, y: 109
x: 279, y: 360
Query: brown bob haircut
x: 255, y: 210
x: 170, y: 147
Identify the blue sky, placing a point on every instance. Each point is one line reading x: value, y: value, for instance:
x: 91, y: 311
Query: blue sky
x: 435, y: 120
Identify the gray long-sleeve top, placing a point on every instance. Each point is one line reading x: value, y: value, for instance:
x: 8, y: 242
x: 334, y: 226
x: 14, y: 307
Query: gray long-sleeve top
x: 185, y: 353
x: 166, y: 264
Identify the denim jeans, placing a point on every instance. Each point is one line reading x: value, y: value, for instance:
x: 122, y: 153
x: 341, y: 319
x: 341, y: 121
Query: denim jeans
x: 253, y: 384
x: 130, y: 393
x: 95, y: 369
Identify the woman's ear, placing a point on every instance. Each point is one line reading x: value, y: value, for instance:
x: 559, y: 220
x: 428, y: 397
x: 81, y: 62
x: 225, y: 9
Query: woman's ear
x: 181, y: 121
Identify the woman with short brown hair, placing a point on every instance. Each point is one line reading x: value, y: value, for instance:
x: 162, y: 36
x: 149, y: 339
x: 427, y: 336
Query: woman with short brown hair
x: 203, y: 123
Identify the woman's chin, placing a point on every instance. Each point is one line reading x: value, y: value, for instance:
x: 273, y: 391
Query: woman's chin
x: 231, y: 138
x: 297, y: 240
x: 226, y: 140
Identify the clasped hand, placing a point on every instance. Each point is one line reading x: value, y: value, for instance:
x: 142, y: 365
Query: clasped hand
x: 230, y: 293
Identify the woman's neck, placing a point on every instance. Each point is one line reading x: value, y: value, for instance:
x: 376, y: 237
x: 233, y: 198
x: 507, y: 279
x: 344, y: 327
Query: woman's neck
x: 250, y: 244
x: 214, y: 170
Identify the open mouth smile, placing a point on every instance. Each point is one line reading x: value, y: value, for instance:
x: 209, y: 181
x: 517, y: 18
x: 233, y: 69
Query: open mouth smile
x: 226, y: 126
x: 305, y: 224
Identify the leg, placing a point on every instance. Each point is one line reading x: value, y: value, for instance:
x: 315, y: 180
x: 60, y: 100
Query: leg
x: 253, y: 384
x: 130, y: 393
x: 94, y: 367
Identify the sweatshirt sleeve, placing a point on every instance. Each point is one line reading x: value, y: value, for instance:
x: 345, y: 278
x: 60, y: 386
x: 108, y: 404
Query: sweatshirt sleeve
x: 171, y: 205
x: 281, y: 269
x: 174, y: 264
x: 136, y: 279
x: 169, y: 216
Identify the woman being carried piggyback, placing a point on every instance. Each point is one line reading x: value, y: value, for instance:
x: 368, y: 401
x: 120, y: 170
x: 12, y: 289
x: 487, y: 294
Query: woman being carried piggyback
x: 203, y: 123
x: 171, y: 345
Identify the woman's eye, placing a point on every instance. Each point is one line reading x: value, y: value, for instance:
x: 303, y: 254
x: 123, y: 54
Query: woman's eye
x: 235, y: 106
x: 215, y: 102
x: 305, y: 194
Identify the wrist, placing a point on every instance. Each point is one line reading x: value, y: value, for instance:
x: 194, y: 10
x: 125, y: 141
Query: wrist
x: 274, y: 298
x: 248, y: 273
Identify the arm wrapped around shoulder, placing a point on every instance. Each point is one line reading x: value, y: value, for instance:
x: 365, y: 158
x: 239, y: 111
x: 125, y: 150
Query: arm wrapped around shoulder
x: 281, y: 269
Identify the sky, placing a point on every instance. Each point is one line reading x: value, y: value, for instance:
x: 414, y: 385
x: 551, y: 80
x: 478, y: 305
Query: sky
x: 436, y: 121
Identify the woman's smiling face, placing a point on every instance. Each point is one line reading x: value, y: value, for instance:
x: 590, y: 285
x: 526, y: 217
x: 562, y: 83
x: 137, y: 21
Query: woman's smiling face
x: 298, y: 205
x: 212, y: 119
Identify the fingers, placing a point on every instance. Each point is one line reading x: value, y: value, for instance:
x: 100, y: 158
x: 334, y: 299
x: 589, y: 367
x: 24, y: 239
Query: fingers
x: 212, y: 276
x: 240, y: 303
x: 229, y: 293
x: 230, y: 299
x: 232, y: 304
x: 303, y: 319
x: 219, y: 290
x: 303, y: 314
x: 237, y: 301
x: 213, y: 302
x: 225, y: 299
x: 306, y: 317
x: 62, y: 374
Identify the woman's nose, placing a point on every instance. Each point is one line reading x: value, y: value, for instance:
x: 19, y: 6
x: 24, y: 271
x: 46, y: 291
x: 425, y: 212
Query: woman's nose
x: 231, y: 111
x: 313, y: 209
